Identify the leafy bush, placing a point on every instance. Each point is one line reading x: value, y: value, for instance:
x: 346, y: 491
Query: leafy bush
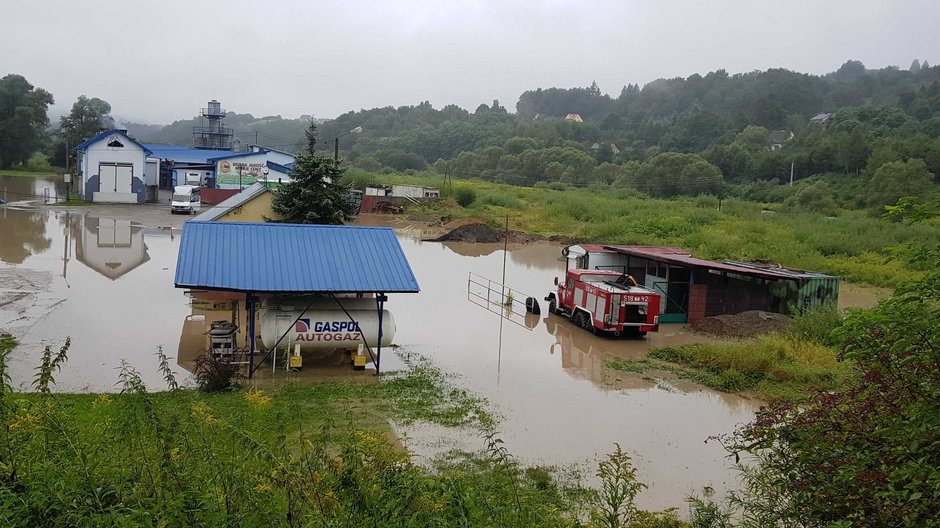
x: 465, y: 196
x: 499, y: 199
x: 216, y: 373
x: 869, y: 453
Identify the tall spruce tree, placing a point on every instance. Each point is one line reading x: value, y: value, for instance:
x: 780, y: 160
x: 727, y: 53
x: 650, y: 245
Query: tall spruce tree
x: 315, y: 195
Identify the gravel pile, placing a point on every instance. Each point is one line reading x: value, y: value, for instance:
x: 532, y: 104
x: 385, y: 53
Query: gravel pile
x: 745, y: 324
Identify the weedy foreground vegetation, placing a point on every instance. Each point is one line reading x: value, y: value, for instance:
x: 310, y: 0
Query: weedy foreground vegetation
x: 296, y: 455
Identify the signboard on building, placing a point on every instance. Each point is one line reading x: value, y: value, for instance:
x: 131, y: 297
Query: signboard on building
x: 241, y: 172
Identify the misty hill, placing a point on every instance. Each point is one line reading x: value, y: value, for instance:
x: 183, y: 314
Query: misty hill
x: 748, y: 127
x: 271, y: 131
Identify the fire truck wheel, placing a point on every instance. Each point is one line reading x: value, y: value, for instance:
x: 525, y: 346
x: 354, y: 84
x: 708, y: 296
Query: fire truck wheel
x: 582, y: 320
x: 576, y: 319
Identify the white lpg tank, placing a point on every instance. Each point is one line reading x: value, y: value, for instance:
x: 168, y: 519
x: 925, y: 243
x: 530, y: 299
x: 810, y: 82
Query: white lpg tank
x: 324, y: 325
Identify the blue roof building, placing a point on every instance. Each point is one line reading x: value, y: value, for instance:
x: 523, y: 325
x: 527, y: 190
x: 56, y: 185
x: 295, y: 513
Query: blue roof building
x: 292, y: 259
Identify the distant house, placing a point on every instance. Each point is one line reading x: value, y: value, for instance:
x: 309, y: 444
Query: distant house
x: 373, y: 189
x: 253, y: 204
x: 111, y: 168
x: 821, y: 119
x: 574, y: 117
x: 613, y: 147
x: 778, y: 138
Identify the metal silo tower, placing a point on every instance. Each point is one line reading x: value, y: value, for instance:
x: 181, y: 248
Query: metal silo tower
x: 210, y: 134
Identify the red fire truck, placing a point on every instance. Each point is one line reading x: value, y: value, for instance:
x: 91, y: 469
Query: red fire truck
x: 606, y: 301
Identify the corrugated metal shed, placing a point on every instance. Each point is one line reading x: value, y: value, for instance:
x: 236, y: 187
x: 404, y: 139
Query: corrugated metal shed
x: 682, y: 257
x: 248, y: 194
x: 292, y: 258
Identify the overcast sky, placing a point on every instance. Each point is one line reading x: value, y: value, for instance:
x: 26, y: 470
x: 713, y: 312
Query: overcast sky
x: 161, y: 60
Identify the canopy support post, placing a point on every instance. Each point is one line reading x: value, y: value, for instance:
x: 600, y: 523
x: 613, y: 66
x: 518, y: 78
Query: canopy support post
x: 250, y: 301
x: 381, y: 298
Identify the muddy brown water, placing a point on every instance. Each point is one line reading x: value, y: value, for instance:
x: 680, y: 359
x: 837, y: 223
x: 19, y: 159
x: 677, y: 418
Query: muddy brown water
x: 104, y: 276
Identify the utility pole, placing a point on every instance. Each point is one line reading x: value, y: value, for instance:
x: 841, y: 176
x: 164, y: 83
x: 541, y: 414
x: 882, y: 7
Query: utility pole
x: 791, y: 174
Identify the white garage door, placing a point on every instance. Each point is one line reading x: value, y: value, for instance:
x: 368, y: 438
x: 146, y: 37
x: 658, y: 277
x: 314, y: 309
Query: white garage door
x: 115, y: 177
x: 107, y: 174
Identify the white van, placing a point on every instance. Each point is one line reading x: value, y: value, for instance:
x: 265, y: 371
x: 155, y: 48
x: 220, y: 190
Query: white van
x: 186, y: 199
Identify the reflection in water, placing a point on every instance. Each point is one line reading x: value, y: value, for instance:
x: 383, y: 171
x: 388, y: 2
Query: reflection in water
x: 583, y: 354
x: 110, y: 247
x: 543, y: 256
x: 24, y: 234
x: 119, y: 304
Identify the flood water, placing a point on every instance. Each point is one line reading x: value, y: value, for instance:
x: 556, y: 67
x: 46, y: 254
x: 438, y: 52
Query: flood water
x: 104, y: 276
x: 105, y: 280
x: 558, y: 405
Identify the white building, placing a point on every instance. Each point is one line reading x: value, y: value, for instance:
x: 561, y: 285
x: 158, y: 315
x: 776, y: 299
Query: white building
x: 415, y: 191
x: 111, y: 168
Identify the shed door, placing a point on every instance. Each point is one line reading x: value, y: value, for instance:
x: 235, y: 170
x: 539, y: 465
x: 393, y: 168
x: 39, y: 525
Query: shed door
x: 107, y: 177
x: 115, y: 177
x: 123, y: 179
x: 150, y: 173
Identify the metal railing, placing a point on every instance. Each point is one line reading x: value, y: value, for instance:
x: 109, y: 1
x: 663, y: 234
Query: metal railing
x: 498, y: 298
x: 214, y: 131
x: 212, y: 112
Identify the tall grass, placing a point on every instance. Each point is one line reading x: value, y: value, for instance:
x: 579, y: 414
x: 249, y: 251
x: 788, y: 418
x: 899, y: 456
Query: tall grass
x: 848, y: 244
x: 778, y: 365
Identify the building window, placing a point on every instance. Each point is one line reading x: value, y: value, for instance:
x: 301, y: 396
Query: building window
x: 115, y: 143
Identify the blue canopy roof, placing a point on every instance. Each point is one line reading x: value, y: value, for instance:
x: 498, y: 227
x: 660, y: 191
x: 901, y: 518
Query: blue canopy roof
x: 292, y: 258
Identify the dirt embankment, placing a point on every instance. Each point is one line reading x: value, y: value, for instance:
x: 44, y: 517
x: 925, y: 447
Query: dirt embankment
x: 482, y: 233
x: 745, y: 324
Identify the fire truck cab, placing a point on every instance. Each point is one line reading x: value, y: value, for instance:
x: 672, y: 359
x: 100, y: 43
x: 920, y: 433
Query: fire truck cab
x: 606, y: 302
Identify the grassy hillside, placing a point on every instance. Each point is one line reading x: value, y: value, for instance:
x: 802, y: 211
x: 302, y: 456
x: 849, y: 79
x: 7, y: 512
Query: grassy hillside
x: 848, y: 244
